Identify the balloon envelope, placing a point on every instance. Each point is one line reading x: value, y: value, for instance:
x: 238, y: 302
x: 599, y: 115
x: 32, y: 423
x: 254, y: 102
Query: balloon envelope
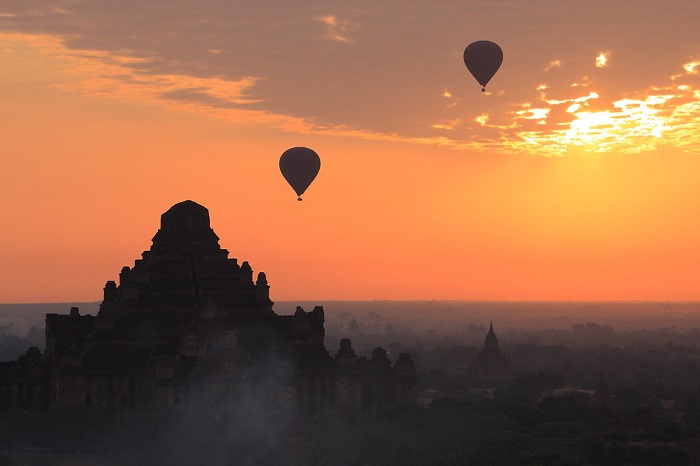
x: 483, y: 58
x: 299, y: 166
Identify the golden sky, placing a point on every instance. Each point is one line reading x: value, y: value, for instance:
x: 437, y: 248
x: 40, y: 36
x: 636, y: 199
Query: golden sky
x: 574, y: 177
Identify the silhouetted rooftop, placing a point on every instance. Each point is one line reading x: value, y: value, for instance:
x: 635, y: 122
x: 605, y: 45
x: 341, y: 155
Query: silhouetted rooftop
x: 186, y: 228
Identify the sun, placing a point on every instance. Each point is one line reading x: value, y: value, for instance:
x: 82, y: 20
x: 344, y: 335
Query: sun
x: 591, y: 128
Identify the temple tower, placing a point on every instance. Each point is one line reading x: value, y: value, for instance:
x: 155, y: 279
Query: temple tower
x: 491, y: 363
x: 186, y: 269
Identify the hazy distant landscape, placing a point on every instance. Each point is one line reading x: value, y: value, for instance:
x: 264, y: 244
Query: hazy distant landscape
x: 543, y: 414
x: 436, y: 323
x: 441, y: 315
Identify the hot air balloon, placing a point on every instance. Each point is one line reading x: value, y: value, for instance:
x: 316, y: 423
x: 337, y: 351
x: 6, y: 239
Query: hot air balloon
x: 299, y: 166
x: 483, y: 58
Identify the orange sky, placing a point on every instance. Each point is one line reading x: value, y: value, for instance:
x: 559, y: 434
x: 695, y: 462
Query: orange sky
x: 574, y: 178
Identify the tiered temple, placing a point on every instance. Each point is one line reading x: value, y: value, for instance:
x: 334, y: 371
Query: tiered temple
x: 188, y: 324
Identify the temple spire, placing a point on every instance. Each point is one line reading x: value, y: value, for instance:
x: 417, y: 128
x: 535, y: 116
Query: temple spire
x: 491, y: 342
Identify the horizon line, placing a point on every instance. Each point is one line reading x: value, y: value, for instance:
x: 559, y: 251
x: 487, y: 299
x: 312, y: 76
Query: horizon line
x: 497, y: 301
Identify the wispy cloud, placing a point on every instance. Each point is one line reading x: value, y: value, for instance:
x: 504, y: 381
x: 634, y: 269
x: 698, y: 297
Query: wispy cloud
x: 603, y: 59
x: 553, y: 64
x: 400, y: 77
x: 628, y: 125
x: 337, y: 30
x: 666, y: 115
x: 449, y: 125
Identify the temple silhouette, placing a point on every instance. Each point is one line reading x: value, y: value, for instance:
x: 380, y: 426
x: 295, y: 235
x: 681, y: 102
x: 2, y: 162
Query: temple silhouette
x: 491, y: 363
x: 188, y: 324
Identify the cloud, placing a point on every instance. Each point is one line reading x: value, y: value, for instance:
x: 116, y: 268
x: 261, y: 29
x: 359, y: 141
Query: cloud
x: 399, y: 77
x: 629, y: 125
x: 553, y: 64
x: 337, y: 30
x: 603, y: 59
x: 691, y: 68
x: 448, y: 125
x: 528, y: 113
x: 585, y: 81
x: 198, y: 95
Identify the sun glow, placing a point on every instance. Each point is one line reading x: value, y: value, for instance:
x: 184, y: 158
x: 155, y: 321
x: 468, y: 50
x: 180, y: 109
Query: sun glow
x: 631, y: 126
x: 590, y: 127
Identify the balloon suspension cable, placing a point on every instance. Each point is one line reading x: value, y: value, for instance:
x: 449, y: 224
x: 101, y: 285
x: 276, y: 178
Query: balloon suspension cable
x: 299, y: 198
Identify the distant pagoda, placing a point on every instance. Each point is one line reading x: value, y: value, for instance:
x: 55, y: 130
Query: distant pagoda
x: 491, y: 363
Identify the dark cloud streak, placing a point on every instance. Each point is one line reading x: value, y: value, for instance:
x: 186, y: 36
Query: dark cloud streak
x: 388, y: 72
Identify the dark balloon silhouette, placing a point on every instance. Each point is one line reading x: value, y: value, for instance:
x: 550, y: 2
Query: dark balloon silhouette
x: 299, y: 166
x: 483, y: 58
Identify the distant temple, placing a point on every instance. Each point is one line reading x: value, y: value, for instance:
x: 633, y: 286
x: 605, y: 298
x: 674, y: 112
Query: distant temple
x: 491, y: 363
x: 188, y: 324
